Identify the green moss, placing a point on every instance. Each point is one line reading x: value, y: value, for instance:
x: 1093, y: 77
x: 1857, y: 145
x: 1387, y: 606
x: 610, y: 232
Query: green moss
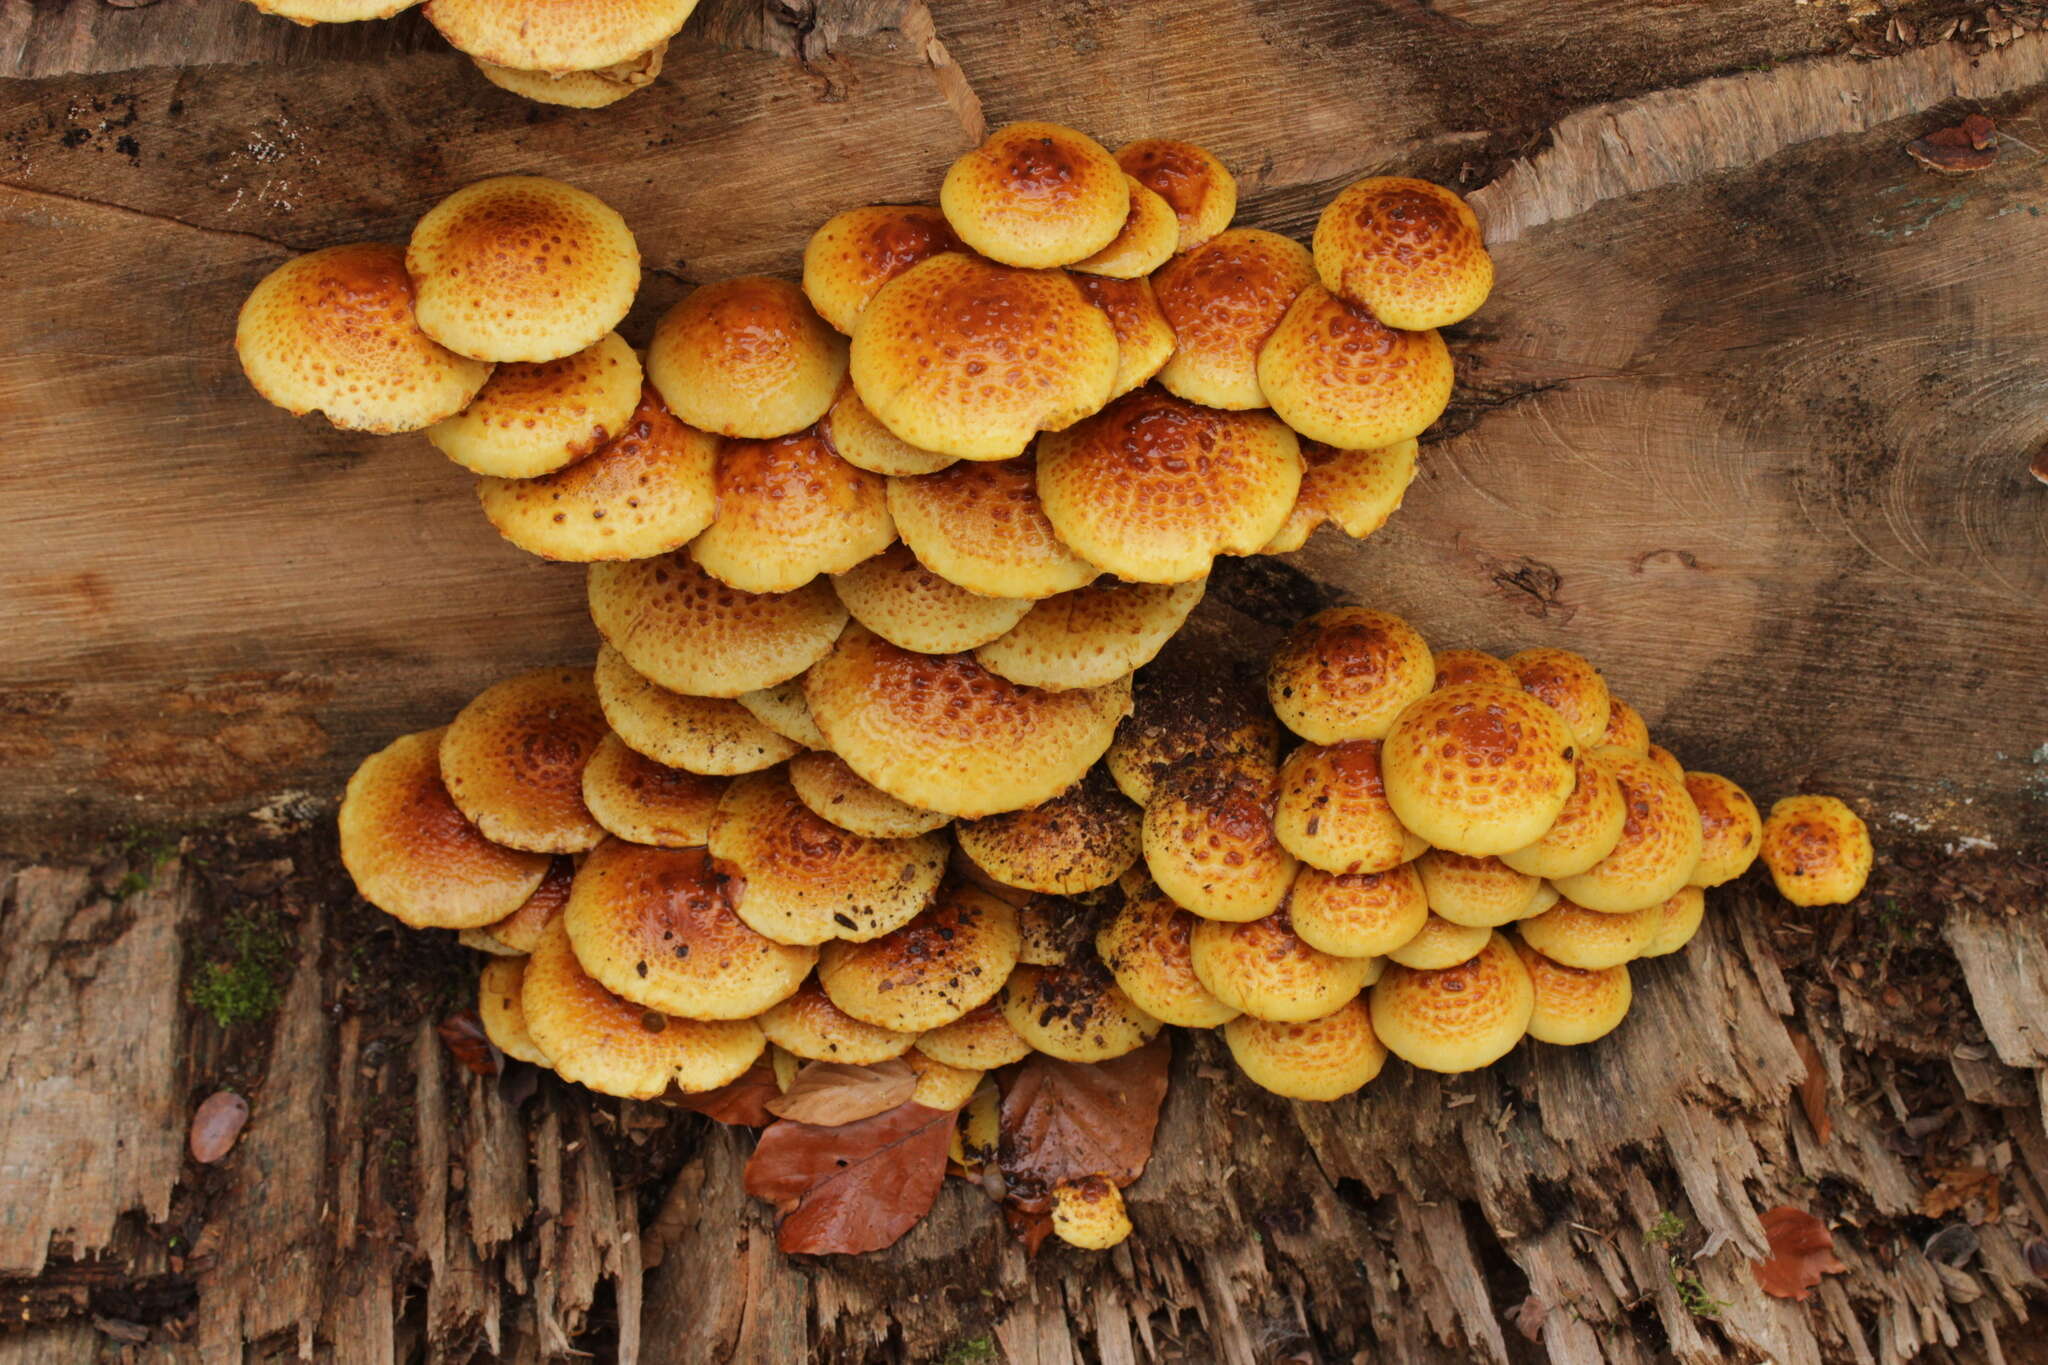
x: 1663, y: 1235
x: 243, y: 982
x: 146, y: 851
x: 979, y: 1350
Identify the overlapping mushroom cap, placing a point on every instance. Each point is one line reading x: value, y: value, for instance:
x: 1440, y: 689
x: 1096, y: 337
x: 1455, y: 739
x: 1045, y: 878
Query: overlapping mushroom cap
x: 1731, y: 831
x: 928, y: 973
x: 513, y: 760
x: 1659, y: 846
x: 1456, y: 1018
x: 1338, y: 375
x: 810, y: 1026
x: 1091, y: 636
x: 1472, y: 665
x: 1333, y: 812
x: 1589, y: 939
x: 858, y: 251
x: 645, y: 802
x: 1149, y: 237
x: 1223, y: 300
x: 1144, y: 339
x: 788, y: 510
x: 782, y: 708
x: 747, y: 358
x: 981, y: 526
x: 1358, y: 914
x: 1076, y: 1013
x: 1478, y: 768
x: 1573, y: 1005
x: 1314, y: 1059
x: 1346, y: 672
x: 1209, y: 840
x: 502, y: 1011
x: 598, y: 88
x: 1571, y: 685
x: 913, y: 608
x: 1036, y: 195
x: 1441, y: 943
x: 333, y: 11
x: 1818, y: 850
x: 863, y: 442
x: 520, y: 931
x: 532, y: 419
x: 1181, y: 708
x: 1676, y: 921
x: 1409, y: 251
x: 557, y: 35
x: 1587, y: 829
x: 708, y: 735
x: 1265, y: 969
x: 1085, y: 837
x: 1199, y: 189
x: 1625, y: 728
x: 979, y: 1040
x: 836, y: 793
x: 1354, y: 490
x: 1147, y: 947
x: 1480, y: 892
x: 690, y: 633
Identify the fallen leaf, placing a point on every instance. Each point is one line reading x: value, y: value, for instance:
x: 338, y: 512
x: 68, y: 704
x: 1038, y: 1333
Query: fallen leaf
x: 854, y: 1187
x: 464, y: 1034
x: 743, y: 1102
x: 1813, y: 1091
x: 216, y: 1125
x: 1802, y: 1251
x: 1527, y: 1317
x: 1968, y: 147
x: 1957, y: 1187
x: 1030, y: 1225
x: 832, y: 1093
x: 1067, y: 1121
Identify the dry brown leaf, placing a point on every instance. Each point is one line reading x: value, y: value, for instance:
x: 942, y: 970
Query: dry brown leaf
x: 1958, y: 1186
x: 1527, y: 1317
x: 744, y: 1101
x: 1802, y: 1252
x: 1970, y: 146
x: 855, y: 1187
x: 832, y: 1093
x: 464, y: 1034
x: 1813, y: 1091
x: 216, y: 1125
x: 1066, y: 1121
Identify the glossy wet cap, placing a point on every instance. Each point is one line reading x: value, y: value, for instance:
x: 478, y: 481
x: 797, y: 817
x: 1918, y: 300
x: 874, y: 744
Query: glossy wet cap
x: 1336, y: 374
x: 979, y: 1040
x: 513, y: 760
x: 1333, y: 812
x: 520, y: 931
x: 1199, y: 189
x: 1224, y: 299
x: 1358, y: 914
x: 1209, y: 840
x: 1091, y: 636
x: 1659, y: 846
x: 746, y: 358
x: 1589, y: 939
x: 1313, y: 1059
x: 1481, y: 892
x: 1265, y: 969
x: 1147, y: 946
x: 499, y: 1007
x: 645, y: 802
x: 1085, y: 837
x: 951, y: 958
x: 1346, y: 673
x: 981, y: 527
x: 1676, y: 921
x: 1036, y: 195
x: 1574, y: 1006
x: 1354, y: 490
x: 599, y: 88
x: 1472, y: 665
x: 1479, y: 768
x: 834, y: 792
x: 1149, y: 237
x: 1667, y: 762
x: 1731, y: 830
x: 1183, y: 705
x: 1457, y: 1018
x: 913, y: 608
x: 1818, y: 850
x: 789, y: 510
x: 708, y: 735
x: 1572, y: 686
x: 532, y: 419
x: 782, y: 708
x: 863, y: 442
x: 557, y: 35
x: 810, y: 1026
x: 1089, y: 1213
x: 690, y: 633
x: 1587, y: 829
x: 1144, y: 339
x: 1408, y: 251
x: 1076, y: 1013
x: 1625, y: 728
x: 858, y: 251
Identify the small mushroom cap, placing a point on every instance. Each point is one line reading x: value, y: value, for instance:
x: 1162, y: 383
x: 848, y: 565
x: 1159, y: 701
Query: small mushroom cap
x: 1574, y: 1005
x: 1625, y: 728
x: 1199, y: 189
x: 557, y: 35
x: 513, y: 760
x: 789, y: 510
x: 499, y: 1007
x: 1076, y: 1013
x: 1668, y: 763
x: 1659, y: 847
x: 690, y: 633
x: 1455, y: 1018
x: 1084, y: 838
x: 1571, y: 685
x: 1358, y: 914
x: 834, y: 792
x: 1263, y: 968
x: 1439, y: 943
x: 747, y: 358
x: 858, y: 251
x: 863, y: 442
x: 913, y: 608
x: 981, y: 527
x: 1409, y: 251
x: 948, y: 960
x: 1455, y: 666
x: 1545, y: 897
x: 599, y: 88
x: 800, y: 879
x: 1147, y: 947
x: 1209, y: 841
x: 532, y: 419
x: 979, y: 1040
x: 1587, y: 829
x: 707, y: 735
x: 520, y: 931
x: 333, y: 11
x: 1052, y: 930
x: 1354, y: 490
x: 810, y: 1026
x: 1223, y: 299
x: 643, y: 801
x: 1089, y: 1213
x: 520, y: 267
x: 1313, y: 1059
x: 1149, y: 237
x: 1588, y: 939
x: 1036, y: 195
x: 1144, y: 340
x: 1482, y: 892
x: 1479, y: 768
x: 940, y: 1086
x: 594, y: 1038
x: 415, y: 856
x: 1152, y: 488
x: 1818, y: 850
x: 1346, y: 673
x: 1181, y: 707
x: 942, y: 733
x: 1731, y: 831
x: 1333, y: 812
x: 782, y: 708
x: 1336, y: 374
x: 1091, y: 636
x: 1676, y: 921
x: 333, y: 332
x: 964, y: 357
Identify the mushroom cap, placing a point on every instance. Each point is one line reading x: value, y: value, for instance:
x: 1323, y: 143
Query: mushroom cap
x: 1818, y: 850
x: 594, y: 1038
x: 1354, y: 490
x: 1199, y: 189
x: 1676, y: 921
x: 1545, y: 897
x: 1659, y: 847
x: 1089, y: 1213
x: 810, y: 1026
x: 913, y: 608
x: 333, y: 332
x: 1147, y: 947
x: 708, y: 735
x: 1590, y: 940
x: 1337, y: 374
x: 1223, y: 299
x: 557, y: 35
x: 520, y: 931
x: 863, y: 442
x: 690, y: 633
x: 1439, y: 943
x: 836, y: 793
x: 1574, y: 1005
x: 1152, y: 488
x: 965, y: 357
x: 1084, y: 838
x: 1479, y: 768
x: 979, y: 1040
x: 1625, y: 728
x: 951, y: 958
x: 1408, y: 251
x: 1181, y: 707
x: 1333, y: 812
x: 648, y: 491
x: 520, y: 267
x: 1358, y: 914
x: 800, y: 879
x: 598, y: 88
x: 940, y: 1086
x: 333, y: 11
x: 1667, y: 762
x: 858, y: 251
x: 1036, y: 195
x: 1052, y: 930
x: 746, y: 358
x: 782, y: 708
x: 513, y: 760
x: 1091, y: 636
x: 1144, y: 340
x: 1472, y: 665
x: 1346, y: 673
x: 1483, y: 892
x: 981, y: 527
x: 942, y: 733
x: 1263, y: 968
x: 1149, y: 237
x: 1209, y: 841
x: 414, y: 855
x: 653, y: 926
x: 788, y: 510
x: 643, y: 801
x: 1731, y: 831
x: 532, y: 419
x: 498, y: 1005
x: 1571, y: 685
x: 1587, y: 829
x: 1311, y: 1059
x: 1076, y: 1013
x: 1455, y: 1018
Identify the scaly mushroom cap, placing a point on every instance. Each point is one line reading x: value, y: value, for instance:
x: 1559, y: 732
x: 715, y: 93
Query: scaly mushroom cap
x: 1439, y: 943
x: 964, y: 357
x: 1625, y: 728
x: 599, y: 88
x: 1659, y: 848
x: 1091, y: 636
x: 1587, y: 829
x: 940, y: 1086
x: 333, y: 332
x: 1479, y: 768
x: 1147, y: 947
x: 333, y: 11
x: 557, y: 35
x: 1589, y: 939
x: 594, y: 1038
x: 1676, y: 921
x: 799, y: 879
x: 1209, y: 841
x: 653, y: 926
x: 858, y: 251
x: 1263, y: 968
x: 520, y: 267
x: 1455, y: 1018
x: 928, y: 973
x: 1036, y: 195
x: 863, y: 442
x: 707, y: 735
x: 1454, y: 666
x: 532, y: 419
x: 1085, y: 837
x: 520, y: 931
x: 746, y: 358
x: 835, y: 793
x: 782, y: 708
x: 1482, y: 892
x: 1149, y: 237
x: 1337, y: 374
x: 513, y: 760
x: 789, y: 510
x: 1199, y: 189
x: 1089, y: 1213
x: 1818, y: 850
x: 981, y: 527
x: 498, y: 990
x: 1333, y: 812
x: 1075, y: 1013
x: 1574, y: 1005
x: 643, y: 801
x: 1408, y: 251
x: 1181, y: 708
x: 1144, y: 340
x: 1571, y: 685
x: 810, y: 1026
x: 415, y: 856
x: 1731, y: 831
x: 1358, y: 914
x: 913, y: 608
x: 1152, y: 488
x: 942, y: 733
x: 1667, y: 762
x: 1223, y: 300
x: 1314, y: 1059
x: 1052, y: 930
x: 690, y: 633
x: 979, y: 1040
x: 1354, y: 490
x: 1346, y: 673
